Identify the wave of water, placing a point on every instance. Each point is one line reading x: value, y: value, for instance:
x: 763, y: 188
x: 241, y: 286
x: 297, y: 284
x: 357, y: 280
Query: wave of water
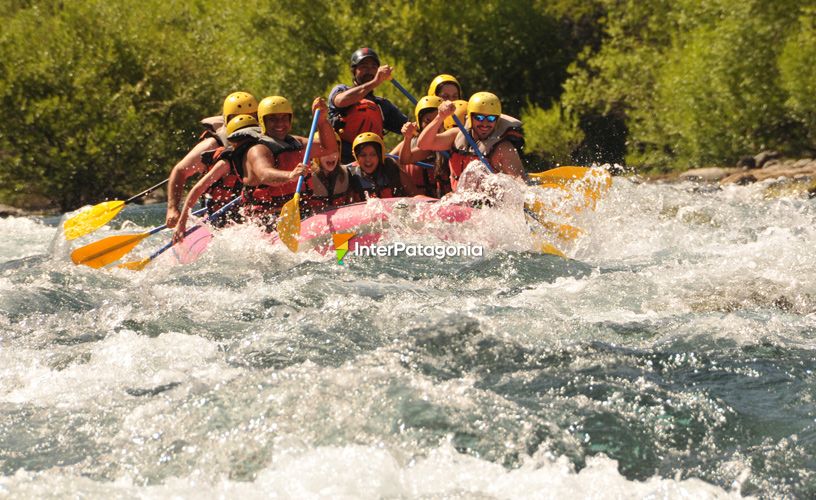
x: 672, y: 356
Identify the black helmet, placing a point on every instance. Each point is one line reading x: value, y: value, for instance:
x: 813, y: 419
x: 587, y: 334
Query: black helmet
x: 361, y: 54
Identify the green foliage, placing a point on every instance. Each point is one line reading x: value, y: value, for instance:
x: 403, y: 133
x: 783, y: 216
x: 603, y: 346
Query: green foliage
x: 90, y: 99
x: 798, y: 72
x: 101, y: 98
x: 551, y: 134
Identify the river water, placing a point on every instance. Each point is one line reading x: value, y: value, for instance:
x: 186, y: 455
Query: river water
x: 671, y: 356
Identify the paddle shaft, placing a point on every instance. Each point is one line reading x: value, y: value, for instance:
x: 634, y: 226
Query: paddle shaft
x: 472, y: 143
x: 210, y: 217
x: 307, y: 155
x: 404, y: 91
x: 146, y: 191
x: 419, y: 163
x: 414, y: 102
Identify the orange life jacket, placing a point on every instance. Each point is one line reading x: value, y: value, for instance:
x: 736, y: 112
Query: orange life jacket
x: 265, y: 199
x: 227, y: 187
x: 365, y: 116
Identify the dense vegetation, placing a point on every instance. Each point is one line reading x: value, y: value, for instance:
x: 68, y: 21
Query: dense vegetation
x: 101, y: 97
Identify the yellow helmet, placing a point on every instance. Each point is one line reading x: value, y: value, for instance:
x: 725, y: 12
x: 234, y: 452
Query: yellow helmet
x: 460, y: 112
x: 484, y: 103
x: 239, y: 122
x: 272, y: 105
x: 369, y: 138
x: 240, y: 103
x: 424, y: 104
x: 439, y: 80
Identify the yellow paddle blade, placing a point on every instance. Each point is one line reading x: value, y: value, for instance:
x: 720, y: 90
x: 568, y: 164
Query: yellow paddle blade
x: 103, y: 252
x: 135, y: 265
x: 563, y: 175
x: 91, y: 219
x: 289, y: 223
x: 564, y: 231
x: 545, y: 247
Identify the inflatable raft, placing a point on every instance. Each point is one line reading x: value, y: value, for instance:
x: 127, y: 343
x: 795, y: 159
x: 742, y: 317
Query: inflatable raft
x: 368, y: 220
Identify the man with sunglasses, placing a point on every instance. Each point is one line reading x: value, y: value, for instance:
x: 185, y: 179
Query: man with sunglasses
x: 498, y: 136
x: 355, y: 110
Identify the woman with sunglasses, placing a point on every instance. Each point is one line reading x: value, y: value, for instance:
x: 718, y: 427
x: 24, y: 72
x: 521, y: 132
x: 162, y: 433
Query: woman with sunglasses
x: 498, y: 136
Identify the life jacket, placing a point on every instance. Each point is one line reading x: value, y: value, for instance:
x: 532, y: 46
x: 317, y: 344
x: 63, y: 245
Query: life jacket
x: 227, y: 187
x: 365, y: 116
x: 214, y: 127
x: 424, y: 178
x: 442, y: 174
x: 385, y: 183
x: 265, y: 199
x: 329, y: 191
x: 507, y: 129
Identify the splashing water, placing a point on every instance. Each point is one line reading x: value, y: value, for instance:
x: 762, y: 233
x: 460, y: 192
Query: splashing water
x: 671, y: 356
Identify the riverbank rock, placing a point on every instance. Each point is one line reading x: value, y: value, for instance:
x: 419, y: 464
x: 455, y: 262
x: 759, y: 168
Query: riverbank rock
x: 7, y: 211
x: 710, y: 174
x: 797, y: 169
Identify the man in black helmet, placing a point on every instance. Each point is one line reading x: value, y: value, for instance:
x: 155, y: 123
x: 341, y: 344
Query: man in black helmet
x: 355, y: 110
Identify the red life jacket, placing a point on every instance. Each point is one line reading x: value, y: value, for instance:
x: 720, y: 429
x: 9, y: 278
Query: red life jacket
x: 365, y: 116
x: 507, y: 129
x: 264, y: 199
x: 227, y: 187
x: 443, y: 175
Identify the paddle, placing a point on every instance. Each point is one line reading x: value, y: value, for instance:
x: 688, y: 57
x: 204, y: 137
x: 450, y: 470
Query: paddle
x: 404, y: 91
x: 138, y: 265
x: 413, y: 100
x: 93, y: 218
x: 103, y: 252
x: 561, y: 229
x: 288, y: 225
x: 418, y: 163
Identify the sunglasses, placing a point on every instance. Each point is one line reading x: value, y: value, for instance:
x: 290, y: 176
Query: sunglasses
x: 481, y: 118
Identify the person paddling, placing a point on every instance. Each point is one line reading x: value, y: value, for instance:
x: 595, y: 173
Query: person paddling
x: 499, y: 137
x: 267, y: 159
x: 198, y: 161
x: 354, y: 110
x: 265, y: 190
x: 373, y: 175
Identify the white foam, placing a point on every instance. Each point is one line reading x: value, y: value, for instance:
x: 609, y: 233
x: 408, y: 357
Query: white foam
x: 359, y: 472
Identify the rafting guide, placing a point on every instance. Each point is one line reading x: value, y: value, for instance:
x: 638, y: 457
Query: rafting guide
x: 399, y: 248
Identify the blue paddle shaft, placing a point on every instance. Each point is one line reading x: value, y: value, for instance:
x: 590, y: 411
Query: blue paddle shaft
x: 308, y: 154
x: 211, y: 217
x: 472, y: 143
x: 404, y: 91
x: 420, y: 163
x: 164, y: 226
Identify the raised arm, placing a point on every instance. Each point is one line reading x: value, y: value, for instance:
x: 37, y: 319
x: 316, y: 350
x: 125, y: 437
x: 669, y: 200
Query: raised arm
x: 431, y: 139
x: 325, y: 143
x: 358, y: 93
